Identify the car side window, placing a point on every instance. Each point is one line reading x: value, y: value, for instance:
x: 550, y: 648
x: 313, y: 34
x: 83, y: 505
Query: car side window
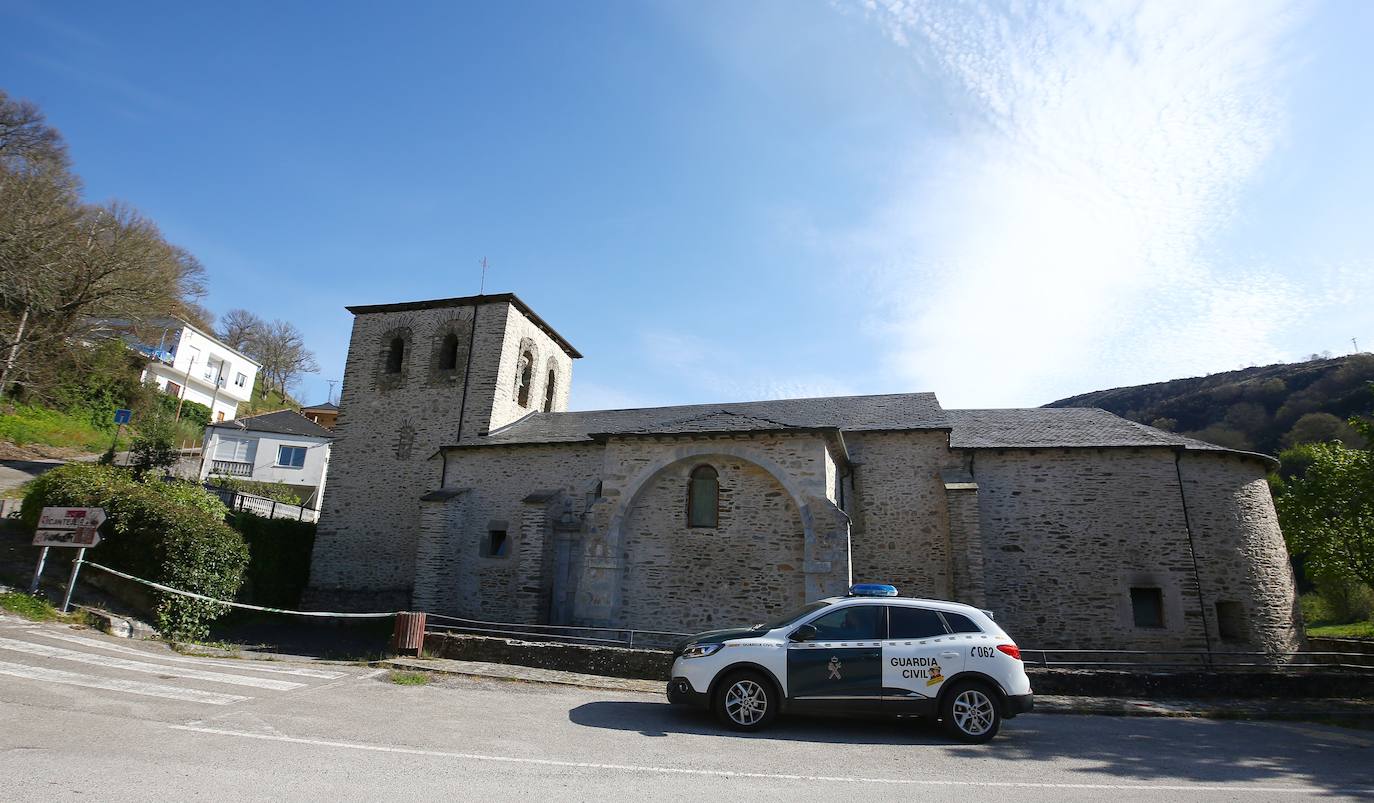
x: 914, y: 623
x: 851, y: 623
x: 959, y: 623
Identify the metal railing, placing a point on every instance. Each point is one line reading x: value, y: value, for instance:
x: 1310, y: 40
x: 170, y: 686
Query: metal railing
x: 232, y: 468
x: 261, y: 505
x: 570, y: 634
x: 1216, y: 660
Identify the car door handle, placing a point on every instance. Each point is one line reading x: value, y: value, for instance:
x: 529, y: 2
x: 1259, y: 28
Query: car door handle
x: 949, y: 655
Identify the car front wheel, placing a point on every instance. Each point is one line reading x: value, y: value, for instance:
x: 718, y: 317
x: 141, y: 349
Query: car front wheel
x: 970, y: 713
x: 746, y: 701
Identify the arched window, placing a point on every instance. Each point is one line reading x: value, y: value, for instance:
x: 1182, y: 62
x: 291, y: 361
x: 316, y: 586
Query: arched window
x: 448, y: 353
x: 549, y: 391
x: 395, y: 355
x: 703, y: 497
x: 524, y: 375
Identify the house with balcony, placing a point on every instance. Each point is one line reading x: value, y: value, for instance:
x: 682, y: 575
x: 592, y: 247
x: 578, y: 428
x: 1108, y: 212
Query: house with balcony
x: 283, y: 448
x: 196, y: 366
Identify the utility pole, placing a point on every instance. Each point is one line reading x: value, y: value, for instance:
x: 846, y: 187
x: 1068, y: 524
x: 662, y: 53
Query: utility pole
x: 483, y: 288
x: 181, y: 397
x: 332, y: 383
x: 1356, y: 344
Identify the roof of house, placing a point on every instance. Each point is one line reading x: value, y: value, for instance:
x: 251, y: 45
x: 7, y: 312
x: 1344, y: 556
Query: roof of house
x: 282, y: 422
x: 853, y: 413
x: 1067, y: 427
x: 327, y: 407
x: 471, y: 301
x: 1029, y: 428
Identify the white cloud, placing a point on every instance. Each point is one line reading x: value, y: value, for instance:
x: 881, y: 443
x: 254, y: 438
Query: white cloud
x: 1060, y: 241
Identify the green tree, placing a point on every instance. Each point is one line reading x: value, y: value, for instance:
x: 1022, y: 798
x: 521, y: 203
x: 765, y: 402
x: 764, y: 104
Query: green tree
x: 1327, y: 514
x: 155, y: 447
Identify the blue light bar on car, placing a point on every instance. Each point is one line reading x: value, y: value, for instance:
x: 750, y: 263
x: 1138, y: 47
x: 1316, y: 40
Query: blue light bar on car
x: 872, y: 590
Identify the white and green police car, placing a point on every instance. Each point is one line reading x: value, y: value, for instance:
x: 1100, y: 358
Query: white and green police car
x: 871, y: 652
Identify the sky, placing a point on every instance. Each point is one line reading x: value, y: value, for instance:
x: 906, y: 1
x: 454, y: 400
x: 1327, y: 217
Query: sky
x: 1005, y: 203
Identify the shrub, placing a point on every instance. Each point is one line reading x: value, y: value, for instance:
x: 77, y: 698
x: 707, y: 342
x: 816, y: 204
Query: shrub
x: 279, y: 562
x: 168, y: 532
x: 156, y: 446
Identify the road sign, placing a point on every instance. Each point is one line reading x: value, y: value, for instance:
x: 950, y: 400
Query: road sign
x: 122, y: 416
x: 70, y: 518
x: 81, y: 537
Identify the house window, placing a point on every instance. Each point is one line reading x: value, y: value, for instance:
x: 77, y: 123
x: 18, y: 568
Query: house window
x: 1147, y: 607
x: 291, y: 456
x: 240, y: 380
x: 549, y: 391
x: 173, y: 389
x: 219, y: 416
x: 236, y: 450
x: 497, y: 544
x: 524, y: 375
x: 395, y: 355
x: 1230, y: 620
x: 703, y: 497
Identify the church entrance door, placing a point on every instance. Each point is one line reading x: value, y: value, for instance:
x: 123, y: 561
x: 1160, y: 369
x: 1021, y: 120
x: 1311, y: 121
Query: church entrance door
x: 567, y: 568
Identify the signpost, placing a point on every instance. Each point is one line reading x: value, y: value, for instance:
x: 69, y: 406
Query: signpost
x: 121, y: 417
x: 66, y: 527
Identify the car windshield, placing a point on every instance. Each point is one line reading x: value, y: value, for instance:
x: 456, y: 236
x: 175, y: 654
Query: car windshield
x: 791, y: 617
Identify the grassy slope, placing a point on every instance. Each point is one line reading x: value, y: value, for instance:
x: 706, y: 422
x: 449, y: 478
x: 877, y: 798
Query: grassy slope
x: 1362, y: 630
x: 25, y: 424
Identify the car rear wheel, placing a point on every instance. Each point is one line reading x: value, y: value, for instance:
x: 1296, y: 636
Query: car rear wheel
x: 746, y: 701
x: 970, y: 713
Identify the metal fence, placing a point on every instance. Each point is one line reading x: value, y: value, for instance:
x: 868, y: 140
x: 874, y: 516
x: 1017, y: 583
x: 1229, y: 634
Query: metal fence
x: 261, y: 505
x: 567, y: 634
x: 1203, y: 660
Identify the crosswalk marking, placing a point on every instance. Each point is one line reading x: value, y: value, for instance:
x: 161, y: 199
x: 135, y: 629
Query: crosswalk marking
x: 114, y: 684
x: 256, y: 666
x: 140, y: 666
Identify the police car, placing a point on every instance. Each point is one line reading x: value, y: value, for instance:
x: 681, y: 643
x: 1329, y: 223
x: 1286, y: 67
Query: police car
x: 869, y: 652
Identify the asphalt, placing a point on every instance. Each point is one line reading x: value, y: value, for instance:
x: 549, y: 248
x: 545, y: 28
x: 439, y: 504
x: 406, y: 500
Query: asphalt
x: 347, y: 733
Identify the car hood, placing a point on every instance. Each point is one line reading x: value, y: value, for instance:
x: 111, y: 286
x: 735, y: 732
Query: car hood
x: 715, y: 637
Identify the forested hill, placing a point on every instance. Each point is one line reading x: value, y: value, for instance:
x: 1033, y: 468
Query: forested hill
x: 1263, y: 409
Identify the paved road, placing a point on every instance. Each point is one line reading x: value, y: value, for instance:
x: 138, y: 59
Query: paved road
x: 87, y: 716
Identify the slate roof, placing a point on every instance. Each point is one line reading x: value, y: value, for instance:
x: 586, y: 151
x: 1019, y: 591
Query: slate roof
x: 850, y: 413
x: 471, y: 301
x: 282, y: 422
x: 326, y: 407
x: 1063, y: 427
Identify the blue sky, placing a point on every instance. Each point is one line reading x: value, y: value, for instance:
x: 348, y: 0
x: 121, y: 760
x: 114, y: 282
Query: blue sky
x: 720, y: 201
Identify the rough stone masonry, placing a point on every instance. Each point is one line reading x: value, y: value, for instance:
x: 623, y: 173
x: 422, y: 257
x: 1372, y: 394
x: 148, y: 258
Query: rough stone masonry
x: 461, y: 485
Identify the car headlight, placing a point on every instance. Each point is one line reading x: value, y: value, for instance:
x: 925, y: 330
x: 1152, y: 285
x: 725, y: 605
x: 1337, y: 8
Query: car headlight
x: 700, y: 650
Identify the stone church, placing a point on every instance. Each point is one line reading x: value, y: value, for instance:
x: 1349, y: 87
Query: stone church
x: 461, y: 485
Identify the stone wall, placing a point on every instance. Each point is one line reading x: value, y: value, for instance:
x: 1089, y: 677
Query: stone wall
x: 900, y: 522
x: 1067, y: 533
x: 1242, y: 558
x: 687, y: 579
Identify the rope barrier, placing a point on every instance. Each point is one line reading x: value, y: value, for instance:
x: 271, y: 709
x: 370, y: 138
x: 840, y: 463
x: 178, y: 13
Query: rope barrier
x: 192, y: 594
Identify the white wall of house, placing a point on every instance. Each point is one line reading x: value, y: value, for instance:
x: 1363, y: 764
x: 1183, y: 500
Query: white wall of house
x: 260, y: 455
x: 206, y: 371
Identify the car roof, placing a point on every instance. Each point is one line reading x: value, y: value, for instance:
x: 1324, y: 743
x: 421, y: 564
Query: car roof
x: 911, y: 601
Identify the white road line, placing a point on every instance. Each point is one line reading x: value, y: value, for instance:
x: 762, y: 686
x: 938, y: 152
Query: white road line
x: 184, y: 659
x: 139, y: 666
x: 112, y: 684
x: 911, y: 782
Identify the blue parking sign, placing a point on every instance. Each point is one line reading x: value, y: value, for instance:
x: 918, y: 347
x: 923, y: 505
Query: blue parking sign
x: 122, y: 416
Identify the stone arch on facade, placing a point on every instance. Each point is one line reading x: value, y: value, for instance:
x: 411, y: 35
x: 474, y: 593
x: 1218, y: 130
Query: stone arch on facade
x: 550, y: 394
x: 395, y: 352
x: 526, y: 373
x: 449, y: 347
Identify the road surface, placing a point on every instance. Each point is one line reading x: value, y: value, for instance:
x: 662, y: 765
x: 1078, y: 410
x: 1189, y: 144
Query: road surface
x: 85, y: 716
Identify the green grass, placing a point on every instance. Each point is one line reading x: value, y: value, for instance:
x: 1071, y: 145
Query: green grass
x: 32, y: 608
x: 406, y: 678
x: 25, y: 424
x: 1353, y: 630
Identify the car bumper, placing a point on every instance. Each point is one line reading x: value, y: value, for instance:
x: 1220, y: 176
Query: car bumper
x: 680, y: 692
x: 1019, y: 704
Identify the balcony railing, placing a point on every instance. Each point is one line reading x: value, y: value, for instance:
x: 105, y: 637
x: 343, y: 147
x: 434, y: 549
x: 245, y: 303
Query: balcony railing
x: 231, y: 468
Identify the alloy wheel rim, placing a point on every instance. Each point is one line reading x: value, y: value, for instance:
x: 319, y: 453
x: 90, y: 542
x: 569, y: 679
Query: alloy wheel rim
x: 746, y: 702
x: 973, y: 712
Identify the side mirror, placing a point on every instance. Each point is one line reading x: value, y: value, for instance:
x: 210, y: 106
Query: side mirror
x: 803, y: 633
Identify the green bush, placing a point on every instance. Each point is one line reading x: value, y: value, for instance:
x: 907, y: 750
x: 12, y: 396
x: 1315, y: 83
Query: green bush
x: 193, y: 412
x: 279, y: 562
x: 168, y: 532
x: 155, y: 448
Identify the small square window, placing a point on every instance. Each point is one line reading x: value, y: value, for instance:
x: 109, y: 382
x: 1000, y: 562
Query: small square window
x: 240, y: 379
x: 1230, y: 621
x: 291, y: 456
x: 497, y: 544
x: 1147, y: 606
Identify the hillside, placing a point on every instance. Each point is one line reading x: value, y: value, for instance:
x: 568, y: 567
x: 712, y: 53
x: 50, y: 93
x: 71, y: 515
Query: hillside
x: 1263, y: 409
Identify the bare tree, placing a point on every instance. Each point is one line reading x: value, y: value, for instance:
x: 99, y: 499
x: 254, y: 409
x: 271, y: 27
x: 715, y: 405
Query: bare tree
x: 241, y: 329
x: 284, y: 357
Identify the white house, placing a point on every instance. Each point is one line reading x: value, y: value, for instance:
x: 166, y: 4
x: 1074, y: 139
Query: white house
x: 195, y: 366
x: 283, y: 447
